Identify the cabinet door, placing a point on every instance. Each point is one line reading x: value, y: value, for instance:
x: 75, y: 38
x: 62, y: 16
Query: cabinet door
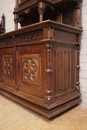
x: 30, y: 70
x: 8, y: 66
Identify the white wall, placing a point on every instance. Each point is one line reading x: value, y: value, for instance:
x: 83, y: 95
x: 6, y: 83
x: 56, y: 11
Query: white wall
x: 7, y: 7
x: 83, y: 54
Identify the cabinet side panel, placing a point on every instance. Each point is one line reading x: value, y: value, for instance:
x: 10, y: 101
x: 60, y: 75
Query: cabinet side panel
x: 64, y: 69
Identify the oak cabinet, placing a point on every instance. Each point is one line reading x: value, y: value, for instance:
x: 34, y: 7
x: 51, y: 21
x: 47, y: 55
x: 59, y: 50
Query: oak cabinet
x: 40, y: 67
x: 40, y: 62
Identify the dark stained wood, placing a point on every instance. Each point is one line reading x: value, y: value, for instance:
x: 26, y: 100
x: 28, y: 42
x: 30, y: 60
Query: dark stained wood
x: 41, y: 69
x: 28, y: 12
x: 40, y: 62
x: 7, y: 66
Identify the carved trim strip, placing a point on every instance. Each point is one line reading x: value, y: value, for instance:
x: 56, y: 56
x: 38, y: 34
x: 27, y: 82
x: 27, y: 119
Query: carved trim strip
x: 22, y: 38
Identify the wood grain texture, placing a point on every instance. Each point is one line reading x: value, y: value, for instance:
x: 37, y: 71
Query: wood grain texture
x: 40, y: 62
x: 41, y: 74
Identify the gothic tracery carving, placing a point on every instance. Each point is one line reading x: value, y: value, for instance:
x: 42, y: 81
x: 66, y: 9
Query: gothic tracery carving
x: 7, y: 61
x: 31, y: 70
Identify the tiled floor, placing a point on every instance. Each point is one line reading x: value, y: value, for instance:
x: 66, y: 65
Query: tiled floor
x: 17, y: 117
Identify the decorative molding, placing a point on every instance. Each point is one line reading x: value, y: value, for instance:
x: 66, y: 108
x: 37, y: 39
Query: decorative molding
x: 49, y: 97
x: 50, y: 33
x: 22, y: 38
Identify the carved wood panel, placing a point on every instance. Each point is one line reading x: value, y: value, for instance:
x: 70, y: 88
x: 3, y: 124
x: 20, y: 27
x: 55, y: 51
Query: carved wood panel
x: 30, y: 70
x: 64, y: 69
x: 8, y: 67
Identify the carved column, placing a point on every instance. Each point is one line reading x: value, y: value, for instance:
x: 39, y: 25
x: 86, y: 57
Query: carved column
x: 77, y: 67
x: 16, y: 15
x: 77, y: 50
x: 78, y: 15
x: 49, y: 73
x: 41, y: 9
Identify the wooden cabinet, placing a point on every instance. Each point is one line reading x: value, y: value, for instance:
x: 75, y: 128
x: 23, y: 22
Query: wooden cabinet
x: 40, y: 62
x: 40, y: 67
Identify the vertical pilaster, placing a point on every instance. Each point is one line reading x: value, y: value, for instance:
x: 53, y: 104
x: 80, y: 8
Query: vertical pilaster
x: 77, y: 62
x: 49, y: 73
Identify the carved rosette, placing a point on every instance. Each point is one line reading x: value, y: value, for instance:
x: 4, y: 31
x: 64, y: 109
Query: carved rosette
x: 31, y: 69
x: 7, y: 64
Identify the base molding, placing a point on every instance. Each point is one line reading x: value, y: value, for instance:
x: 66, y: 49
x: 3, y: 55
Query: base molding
x: 46, y: 113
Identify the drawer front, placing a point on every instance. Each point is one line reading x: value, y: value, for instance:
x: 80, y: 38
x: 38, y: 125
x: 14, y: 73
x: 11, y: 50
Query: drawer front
x: 30, y: 67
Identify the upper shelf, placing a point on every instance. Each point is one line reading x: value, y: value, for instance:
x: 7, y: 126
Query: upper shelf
x: 28, y: 12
